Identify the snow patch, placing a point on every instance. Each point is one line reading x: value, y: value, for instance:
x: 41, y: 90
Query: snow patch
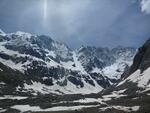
x: 57, y: 89
x: 96, y: 70
x: 2, y: 110
x: 142, y: 79
x: 2, y: 33
x: 114, y: 94
x: 1, y: 69
x: 24, y: 34
x: 148, y: 94
x: 50, y: 53
x: 13, y: 97
x: 78, y: 64
x: 2, y: 83
x: 122, y: 108
x: 115, y: 70
x: 25, y: 108
x: 90, y: 100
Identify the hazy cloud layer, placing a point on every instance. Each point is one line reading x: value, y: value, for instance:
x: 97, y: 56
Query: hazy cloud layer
x: 106, y: 23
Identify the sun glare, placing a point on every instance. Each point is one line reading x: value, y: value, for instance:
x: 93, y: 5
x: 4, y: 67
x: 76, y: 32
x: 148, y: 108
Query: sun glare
x: 45, y: 10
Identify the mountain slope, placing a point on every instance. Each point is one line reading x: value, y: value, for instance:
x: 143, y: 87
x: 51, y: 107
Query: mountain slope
x: 134, y: 86
x: 70, y: 83
x: 138, y: 73
x: 48, y: 66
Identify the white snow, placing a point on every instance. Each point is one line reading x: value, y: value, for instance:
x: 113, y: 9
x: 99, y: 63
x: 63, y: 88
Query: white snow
x: 13, y: 97
x: 61, y: 50
x: 68, y: 65
x: 2, y: 110
x: 52, y: 63
x: 1, y: 69
x: 57, y: 89
x: 78, y: 64
x: 38, y: 87
x: 148, y: 94
x: 25, y: 108
x: 45, y: 78
x: 22, y: 38
x: 135, y: 98
x: 24, y: 34
x: 120, y: 91
x: 19, y: 66
x: 114, y: 94
x: 2, y: 33
x: 96, y: 70
x: 90, y: 100
x: 50, y: 53
x: 115, y: 70
x: 142, y: 79
x: 87, y: 89
x: 12, y: 64
x: 2, y: 83
x: 122, y: 108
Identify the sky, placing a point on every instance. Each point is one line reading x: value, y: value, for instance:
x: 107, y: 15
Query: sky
x: 100, y: 23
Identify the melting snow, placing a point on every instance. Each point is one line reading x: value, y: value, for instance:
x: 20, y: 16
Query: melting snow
x: 2, y: 83
x: 1, y: 69
x: 25, y: 108
x: 2, y: 33
x: 78, y: 64
x: 122, y: 108
x: 89, y: 100
x: 50, y: 53
x: 148, y: 94
x: 24, y: 34
x: 96, y: 70
x: 13, y: 97
x: 2, y: 110
x: 115, y: 94
x: 115, y: 70
x: 68, y: 89
x: 142, y: 79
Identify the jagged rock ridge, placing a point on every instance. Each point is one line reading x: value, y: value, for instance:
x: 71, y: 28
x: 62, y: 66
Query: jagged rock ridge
x: 39, y: 61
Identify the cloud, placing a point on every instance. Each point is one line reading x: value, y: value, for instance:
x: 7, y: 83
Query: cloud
x: 80, y: 22
x: 145, y: 6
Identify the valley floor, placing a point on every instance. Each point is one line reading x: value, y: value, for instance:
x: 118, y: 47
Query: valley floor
x: 91, y: 103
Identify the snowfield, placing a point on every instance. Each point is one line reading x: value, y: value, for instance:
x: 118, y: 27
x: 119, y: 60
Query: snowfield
x: 56, y: 89
x: 142, y: 79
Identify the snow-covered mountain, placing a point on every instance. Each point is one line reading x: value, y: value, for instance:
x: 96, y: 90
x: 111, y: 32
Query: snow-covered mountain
x: 38, y: 64
x: 137, y: 76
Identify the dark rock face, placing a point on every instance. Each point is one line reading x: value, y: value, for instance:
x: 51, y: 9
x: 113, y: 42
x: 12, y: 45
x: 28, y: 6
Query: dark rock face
x: 92, y: 57
x: 141, y: 60
x: 95, y: 57
x: 102, y: 81
x: 145, y: 60
x: 135, y: 80
x: 10, y: 76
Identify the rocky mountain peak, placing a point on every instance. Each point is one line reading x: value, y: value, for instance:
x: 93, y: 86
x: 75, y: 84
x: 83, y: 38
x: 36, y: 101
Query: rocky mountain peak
x: 41, y: 59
